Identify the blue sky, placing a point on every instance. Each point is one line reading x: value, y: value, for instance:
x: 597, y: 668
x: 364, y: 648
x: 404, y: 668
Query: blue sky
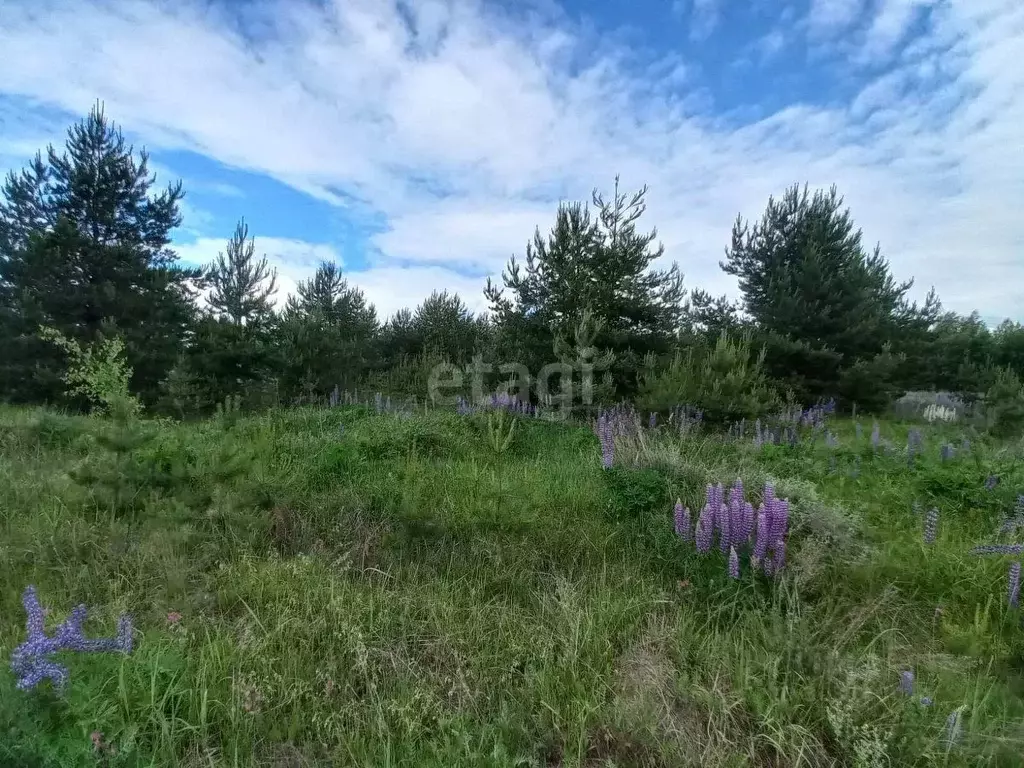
x: 420, y: 142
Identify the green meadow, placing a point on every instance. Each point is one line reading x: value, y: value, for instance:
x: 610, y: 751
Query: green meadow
x: 342, y: 587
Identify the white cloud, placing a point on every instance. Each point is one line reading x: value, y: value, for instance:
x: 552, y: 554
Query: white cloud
x: 827, y: 18
x: 463, y: 130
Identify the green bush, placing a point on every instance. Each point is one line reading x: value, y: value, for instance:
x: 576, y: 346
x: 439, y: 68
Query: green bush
x: 1004, y: 404
x: 632, y: 493
x: 727, y: 381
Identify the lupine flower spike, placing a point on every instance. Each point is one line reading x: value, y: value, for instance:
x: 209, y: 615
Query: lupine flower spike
x: 907, y: 682
x: 1013, y: 590
x: 931, y: 525
x: 32, y: 661
x: 734, y: 564
x: 682, y: 521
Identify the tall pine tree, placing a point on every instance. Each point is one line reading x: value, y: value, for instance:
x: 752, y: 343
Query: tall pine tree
x: 327, y: 334
x: 84, y: 250
x: 821, y: 303
x: 242, y: 286
x: 598, y: 264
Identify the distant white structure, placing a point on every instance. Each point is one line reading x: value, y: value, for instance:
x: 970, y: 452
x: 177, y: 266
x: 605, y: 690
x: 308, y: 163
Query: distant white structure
x: 936, y: 412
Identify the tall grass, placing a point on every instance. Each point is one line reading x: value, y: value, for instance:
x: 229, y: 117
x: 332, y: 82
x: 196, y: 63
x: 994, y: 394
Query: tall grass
x: 345, y: 587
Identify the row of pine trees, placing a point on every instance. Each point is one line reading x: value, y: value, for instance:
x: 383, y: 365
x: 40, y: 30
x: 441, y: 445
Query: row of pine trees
x: 85, y: 250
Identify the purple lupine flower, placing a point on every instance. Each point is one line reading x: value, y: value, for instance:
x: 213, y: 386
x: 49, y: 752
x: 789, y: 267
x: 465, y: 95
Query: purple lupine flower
x: 991, y: 482
x: 931, y: 525
x: 716, y: 498
x: 876, y: 435
x: 1013, y: 590
x: 1015, y: 521
x: 653, y: 421
x: 762, y: 540
x: 737, y: 519
x: 748, y: 521
x: 998, y: 549
x: 682, y: 521
x: 778, y: 557
x: 965, y: 446
x: 734, y: 564
x: 946, y: 452
x: 32, y: 662
x: 860, y: 430
x: 907, y: 682
x: 705, y: 530
x: 954, y: 727
x: 926, y: 701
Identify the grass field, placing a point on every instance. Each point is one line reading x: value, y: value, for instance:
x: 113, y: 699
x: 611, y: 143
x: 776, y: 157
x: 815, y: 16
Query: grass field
x: 343, y: 587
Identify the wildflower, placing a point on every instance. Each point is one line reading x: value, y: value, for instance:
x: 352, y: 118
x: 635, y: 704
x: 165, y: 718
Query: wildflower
x: 1013, y: 590
x: 931, y: 525
x: 907, y: 682
x: 954, y: 727
x: 946, y: 452
x: 173, y: 618
x: 682, y: 521
x: 32, y: 662
x: 734, y: 564
x: 926, y: 701
x: 705, y: 530
x: 653, y: 421
x: 1016, y: 519
x: 991, y: 482
x: 998, y: 549
x: 860, y: 430
x: 876, y: 435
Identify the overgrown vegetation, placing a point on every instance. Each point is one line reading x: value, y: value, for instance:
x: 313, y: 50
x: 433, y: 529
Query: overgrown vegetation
x: 509, y: 574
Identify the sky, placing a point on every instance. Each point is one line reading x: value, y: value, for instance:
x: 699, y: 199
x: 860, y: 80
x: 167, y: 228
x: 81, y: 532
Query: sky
x: 419, y: 143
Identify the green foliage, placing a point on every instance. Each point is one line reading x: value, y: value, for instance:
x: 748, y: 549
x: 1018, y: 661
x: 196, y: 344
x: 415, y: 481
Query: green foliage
x: 600, y: 264
x: 726, y: 381
x: 326, y: 337
x: 321, y: 581
x: 242, y: 287
x: 870, y: 383
x: 634, y: 494
x: 89, y: 212
x: 98, y: 372
x: 806, y: 278
x: 1004, y: 404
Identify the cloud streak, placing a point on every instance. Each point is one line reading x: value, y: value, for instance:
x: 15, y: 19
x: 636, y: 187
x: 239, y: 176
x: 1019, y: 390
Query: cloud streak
x: 461, y: 127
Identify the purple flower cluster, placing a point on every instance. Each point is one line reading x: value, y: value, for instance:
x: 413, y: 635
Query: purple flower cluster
x: 1013, y: 587
x: 931, y: 525
x: 497, y: 401
x: 946, y: 452
x: 32, y: 661
x: 876, y: 435
x: 915, y: 445
x: 1015, y: 522
x: 737, y: 524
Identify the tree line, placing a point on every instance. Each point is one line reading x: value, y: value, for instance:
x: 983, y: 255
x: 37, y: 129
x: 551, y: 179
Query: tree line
x: 85, y: 253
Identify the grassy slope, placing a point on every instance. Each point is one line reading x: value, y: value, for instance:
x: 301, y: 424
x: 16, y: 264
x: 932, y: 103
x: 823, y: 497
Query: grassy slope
x: 397, y: 594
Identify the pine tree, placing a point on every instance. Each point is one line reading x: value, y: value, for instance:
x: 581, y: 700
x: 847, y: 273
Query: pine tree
x: 598, y: 264
x: 819, y: 300
x: 445, y: 327
x: 84, y: 250
x: 242, y: 286
x: 327, y: 336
